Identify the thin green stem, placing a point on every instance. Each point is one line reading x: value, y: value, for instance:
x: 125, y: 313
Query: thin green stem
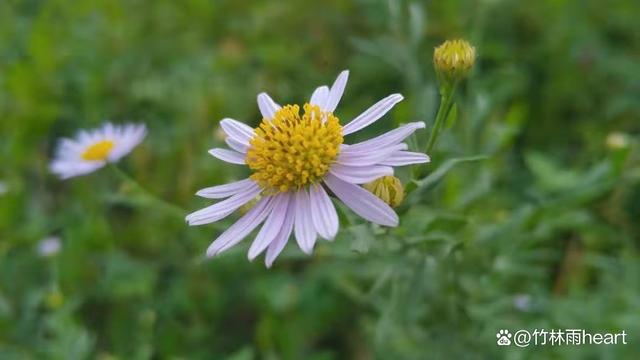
x: 446, y: 103
x: 163, y: 204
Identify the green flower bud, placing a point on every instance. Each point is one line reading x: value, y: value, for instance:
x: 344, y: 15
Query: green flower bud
x: 453, y: 60
x: 388, y: 188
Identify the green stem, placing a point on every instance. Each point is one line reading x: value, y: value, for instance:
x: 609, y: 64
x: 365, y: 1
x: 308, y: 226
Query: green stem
x: 163, y: 204
x: 446, y: 103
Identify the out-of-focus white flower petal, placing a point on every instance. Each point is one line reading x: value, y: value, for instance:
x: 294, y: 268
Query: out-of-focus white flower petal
x: 130, y: 136
x: 72, y: 168
x: 49, y: 246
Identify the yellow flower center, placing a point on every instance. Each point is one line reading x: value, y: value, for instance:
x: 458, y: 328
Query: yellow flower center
x: 291, y: 151
x: 98, y: 151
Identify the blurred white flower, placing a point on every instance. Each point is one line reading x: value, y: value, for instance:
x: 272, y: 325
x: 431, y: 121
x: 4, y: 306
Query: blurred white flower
x: 49, y: 246
x: 522, y: 302
x: 91, y: 150
x: 293, y: 158
x: 618, y: 140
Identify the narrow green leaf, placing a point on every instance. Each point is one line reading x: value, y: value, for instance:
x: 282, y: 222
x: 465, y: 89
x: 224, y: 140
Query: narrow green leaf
x: 441, y: 171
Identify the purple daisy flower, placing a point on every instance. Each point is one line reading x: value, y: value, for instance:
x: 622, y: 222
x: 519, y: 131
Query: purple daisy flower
x: 93, y: 149
x: 294, y: 158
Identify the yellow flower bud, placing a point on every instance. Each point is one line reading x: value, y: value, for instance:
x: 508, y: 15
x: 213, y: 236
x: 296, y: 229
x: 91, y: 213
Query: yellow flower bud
x: 453, y: 61
x: 388, y: 188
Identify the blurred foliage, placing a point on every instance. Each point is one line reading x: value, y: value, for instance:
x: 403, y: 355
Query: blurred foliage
x: 528, y: 216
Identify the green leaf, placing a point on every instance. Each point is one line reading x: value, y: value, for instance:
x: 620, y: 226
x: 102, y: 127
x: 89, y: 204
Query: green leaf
x: 550, y: 175
x: 441, y: 171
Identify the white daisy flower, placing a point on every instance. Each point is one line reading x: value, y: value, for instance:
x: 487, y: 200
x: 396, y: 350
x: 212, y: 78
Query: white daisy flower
x: 91, y: 150
x: 294, y: 159
x: 49, y: 246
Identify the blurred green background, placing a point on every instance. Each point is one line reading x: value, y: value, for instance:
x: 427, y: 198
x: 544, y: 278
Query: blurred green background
x: 544, y: 233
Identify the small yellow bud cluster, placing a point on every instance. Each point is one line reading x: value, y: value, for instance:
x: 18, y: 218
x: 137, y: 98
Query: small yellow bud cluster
x: 388, y: 188
x: 292, y: 150
x: 453, y: 61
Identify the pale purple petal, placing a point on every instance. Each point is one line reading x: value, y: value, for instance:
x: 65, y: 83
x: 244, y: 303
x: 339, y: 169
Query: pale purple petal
x: 272, y: 226
x: 372, y: 114
x: 68, y: 169
x: 237, y: 145
x: 267, y: 106
x: 402, y: 158
x: 362, y: 202
x: 303, y: 228
x: 86, y: 137
x: 237, y: 130
x: 323, y: 213
x: 69, y: 149
x: 223, y: 208
x: 49, y: 246
x: 241, y: 228
x: 319, y: 96
x: 360, y: 174
x: 107, y: 131
x: 226, y: 190
x: 130, y: 136
x: 337, y: 89
x: 367, y: 157
x: 69, y: 161
x: 276, y: 246
x: 229, y: 156
x: 390, y: 138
